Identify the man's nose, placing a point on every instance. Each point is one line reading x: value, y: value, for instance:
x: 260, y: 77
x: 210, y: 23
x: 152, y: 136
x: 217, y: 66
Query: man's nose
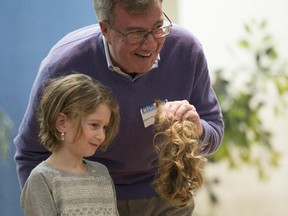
x: 149, y: 40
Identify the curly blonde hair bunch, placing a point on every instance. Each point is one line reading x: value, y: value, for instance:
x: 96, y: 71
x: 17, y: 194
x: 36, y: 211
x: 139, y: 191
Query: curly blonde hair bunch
x: 180, y: 162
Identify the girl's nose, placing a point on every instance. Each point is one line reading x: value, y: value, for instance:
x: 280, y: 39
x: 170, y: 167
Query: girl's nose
x: 101, y: 135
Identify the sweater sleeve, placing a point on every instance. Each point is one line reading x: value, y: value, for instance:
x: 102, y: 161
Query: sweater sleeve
x: 208, y: 107
x: 36, y: 198
x: 190, y: 73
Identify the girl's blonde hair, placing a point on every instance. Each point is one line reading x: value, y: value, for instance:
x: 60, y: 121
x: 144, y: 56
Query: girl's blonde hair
x: 180, y: 162
x: 76, y: 96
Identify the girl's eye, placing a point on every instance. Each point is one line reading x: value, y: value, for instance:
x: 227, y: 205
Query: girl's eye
x: 105, y: 128
x: 95, y: 125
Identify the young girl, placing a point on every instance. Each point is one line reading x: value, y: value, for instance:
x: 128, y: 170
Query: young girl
x: 77, y: 116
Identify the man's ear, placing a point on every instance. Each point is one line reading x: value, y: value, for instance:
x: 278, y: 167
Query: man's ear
x: 61, y: 122
x: 104, y: 29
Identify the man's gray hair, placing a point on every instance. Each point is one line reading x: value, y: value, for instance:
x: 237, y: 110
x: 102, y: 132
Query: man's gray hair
x: 104, y: 9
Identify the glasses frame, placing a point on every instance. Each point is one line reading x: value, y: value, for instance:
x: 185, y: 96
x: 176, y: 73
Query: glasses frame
x: 145, y: 33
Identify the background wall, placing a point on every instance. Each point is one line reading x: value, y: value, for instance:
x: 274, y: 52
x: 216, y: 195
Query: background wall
x: 28, y: 29
x: 218, y: 24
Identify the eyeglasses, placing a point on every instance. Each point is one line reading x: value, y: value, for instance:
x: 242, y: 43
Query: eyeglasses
x: 140, y: 36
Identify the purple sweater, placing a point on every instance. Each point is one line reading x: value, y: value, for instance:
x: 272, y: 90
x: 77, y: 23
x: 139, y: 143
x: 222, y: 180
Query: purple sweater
x: 131, y: 159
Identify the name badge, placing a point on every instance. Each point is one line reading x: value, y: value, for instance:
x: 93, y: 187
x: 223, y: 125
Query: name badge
x: 148, y: 113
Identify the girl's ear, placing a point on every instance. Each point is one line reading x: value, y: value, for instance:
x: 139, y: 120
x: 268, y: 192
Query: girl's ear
x: 61, y: 122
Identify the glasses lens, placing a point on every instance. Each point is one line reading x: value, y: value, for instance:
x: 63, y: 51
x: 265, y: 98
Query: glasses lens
x: 161, y: 32
x: 136, y: 37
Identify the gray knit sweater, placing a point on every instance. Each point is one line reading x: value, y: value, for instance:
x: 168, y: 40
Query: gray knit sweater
x: 49, y: 191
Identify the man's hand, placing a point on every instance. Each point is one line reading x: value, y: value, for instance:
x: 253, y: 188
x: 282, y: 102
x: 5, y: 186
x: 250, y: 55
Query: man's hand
x: 183, y: 110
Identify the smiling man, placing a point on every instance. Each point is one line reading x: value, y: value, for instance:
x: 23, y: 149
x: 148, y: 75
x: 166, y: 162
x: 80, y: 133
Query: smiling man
x: 136, y: 51
x: 133, y: 48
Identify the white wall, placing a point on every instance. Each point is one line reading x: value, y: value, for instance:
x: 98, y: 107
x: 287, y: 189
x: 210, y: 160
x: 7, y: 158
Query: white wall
x: 218, y: 25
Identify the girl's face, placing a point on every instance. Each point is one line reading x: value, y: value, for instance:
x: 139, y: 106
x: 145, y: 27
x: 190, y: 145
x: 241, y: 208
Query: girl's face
x: 93, y: 132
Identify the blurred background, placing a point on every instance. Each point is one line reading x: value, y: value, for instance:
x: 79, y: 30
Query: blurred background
x: 246, y: 47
